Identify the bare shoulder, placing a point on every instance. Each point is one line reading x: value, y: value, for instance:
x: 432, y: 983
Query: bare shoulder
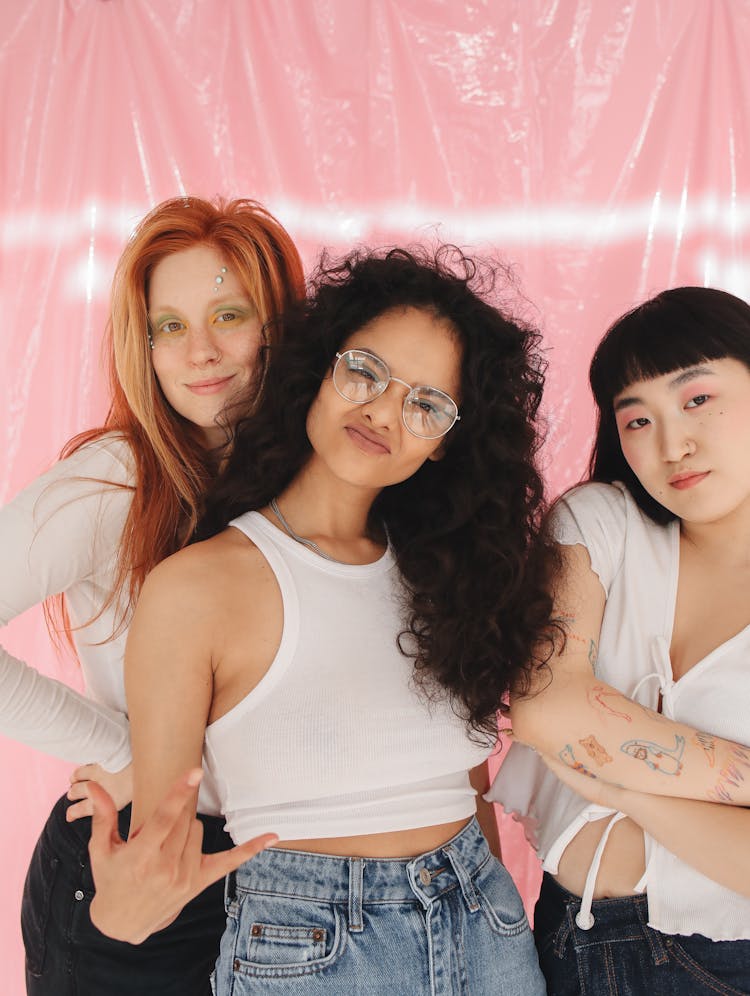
x: 205, y: 566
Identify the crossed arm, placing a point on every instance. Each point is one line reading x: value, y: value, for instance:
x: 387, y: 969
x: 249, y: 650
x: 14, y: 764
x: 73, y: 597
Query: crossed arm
x: 591, y: 727
x: 685, y: 787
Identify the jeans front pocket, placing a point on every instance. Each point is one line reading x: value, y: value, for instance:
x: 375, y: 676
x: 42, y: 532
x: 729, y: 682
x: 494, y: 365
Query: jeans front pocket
x: 721, y: 967
x: 280, y: 937
x: 500, y: 900
x: 35, y: 905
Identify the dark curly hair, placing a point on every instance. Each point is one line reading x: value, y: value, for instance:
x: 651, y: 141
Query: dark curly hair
x: 464, y: 529
x: 678, y: 328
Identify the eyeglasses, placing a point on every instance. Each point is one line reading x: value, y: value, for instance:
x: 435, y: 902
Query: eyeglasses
x: 427, y: 412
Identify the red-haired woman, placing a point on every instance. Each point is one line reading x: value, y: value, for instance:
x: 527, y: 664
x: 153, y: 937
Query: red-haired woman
x: 197, y: 290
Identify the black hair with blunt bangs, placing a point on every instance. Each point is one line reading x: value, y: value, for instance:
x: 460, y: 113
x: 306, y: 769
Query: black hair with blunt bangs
x: 676, y: 329
x: 464, y: 529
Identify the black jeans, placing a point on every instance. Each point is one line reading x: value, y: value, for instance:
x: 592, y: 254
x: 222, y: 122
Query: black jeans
x: 67, y: 956
x: 622, y: 956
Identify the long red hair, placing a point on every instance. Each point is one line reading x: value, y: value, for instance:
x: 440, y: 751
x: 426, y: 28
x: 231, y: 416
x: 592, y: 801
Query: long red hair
x: 172, y: 469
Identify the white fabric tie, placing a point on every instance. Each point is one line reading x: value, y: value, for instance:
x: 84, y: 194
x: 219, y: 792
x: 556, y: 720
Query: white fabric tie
x: 584, y: 917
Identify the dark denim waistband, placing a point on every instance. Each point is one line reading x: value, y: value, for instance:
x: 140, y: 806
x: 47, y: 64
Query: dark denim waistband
x: 617, y: 919
x: 620, y: 910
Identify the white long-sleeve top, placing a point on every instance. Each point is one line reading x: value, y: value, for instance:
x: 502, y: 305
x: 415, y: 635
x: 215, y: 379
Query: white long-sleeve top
x: 62, y: 534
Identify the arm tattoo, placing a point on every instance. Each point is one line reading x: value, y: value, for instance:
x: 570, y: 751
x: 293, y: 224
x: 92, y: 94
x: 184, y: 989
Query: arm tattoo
x: 597, y: 696
x: 568, y: 758
x: 708, y: 744
x: 592, y: 651
x: 667, y: 760
x: 595, y: 751
x: 731, y: 776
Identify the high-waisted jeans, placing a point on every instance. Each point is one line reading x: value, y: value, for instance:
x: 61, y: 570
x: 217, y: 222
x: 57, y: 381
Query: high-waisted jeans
x: 67, y: 956
x: 447, y: 922
x: 622, y: 956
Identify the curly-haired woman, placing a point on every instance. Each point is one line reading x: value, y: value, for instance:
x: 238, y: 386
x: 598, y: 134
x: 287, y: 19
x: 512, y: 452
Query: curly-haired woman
x: 197, y: 289
x: 344, y: 645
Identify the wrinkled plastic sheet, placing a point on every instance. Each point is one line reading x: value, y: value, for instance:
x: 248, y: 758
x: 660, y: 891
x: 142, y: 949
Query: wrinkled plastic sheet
x: 600, y: 148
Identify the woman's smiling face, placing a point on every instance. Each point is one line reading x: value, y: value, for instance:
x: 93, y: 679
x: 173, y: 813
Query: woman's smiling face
x: 205, y: 332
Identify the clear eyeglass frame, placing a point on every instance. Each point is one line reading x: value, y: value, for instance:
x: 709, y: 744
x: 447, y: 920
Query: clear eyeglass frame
x: 418, y: 394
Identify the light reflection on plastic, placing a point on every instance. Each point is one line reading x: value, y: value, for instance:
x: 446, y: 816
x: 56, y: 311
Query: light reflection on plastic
x: 579, y: 225
x: 89, y: 276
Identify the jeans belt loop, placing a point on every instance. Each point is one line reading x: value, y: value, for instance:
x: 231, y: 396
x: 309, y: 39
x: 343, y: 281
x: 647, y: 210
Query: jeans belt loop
x: 464, y: 879
x: 655, y: 940
x: 356, y: 875
x: 564, y: 930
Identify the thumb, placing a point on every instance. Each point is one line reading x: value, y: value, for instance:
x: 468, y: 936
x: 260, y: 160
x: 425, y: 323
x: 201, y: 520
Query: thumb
x: 104, y: 832
x: 216, y: 866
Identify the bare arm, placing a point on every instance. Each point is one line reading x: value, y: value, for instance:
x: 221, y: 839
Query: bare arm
x: 142, y: 885
x: 593, y: 728
x: 705, y: 835
x: 168, y: 678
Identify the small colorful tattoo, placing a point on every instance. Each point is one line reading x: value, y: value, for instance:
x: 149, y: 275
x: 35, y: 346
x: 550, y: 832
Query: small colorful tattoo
x: 708, y: 745
x: 568, y: 758
x: 597, y: 696
x: 666, y: 760
x: 731, y: 775
x: 595, y: 751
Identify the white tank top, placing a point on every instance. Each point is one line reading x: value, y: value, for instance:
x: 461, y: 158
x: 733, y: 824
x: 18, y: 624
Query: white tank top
x: 335, y: 740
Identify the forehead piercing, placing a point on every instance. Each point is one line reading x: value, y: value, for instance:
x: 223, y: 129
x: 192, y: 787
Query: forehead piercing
x: 219, y: 278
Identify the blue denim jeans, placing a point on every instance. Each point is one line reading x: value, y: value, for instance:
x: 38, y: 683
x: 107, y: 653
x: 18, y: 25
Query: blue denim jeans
x: 448, y: 922
x: 67, y: 956
x: 622, y: 956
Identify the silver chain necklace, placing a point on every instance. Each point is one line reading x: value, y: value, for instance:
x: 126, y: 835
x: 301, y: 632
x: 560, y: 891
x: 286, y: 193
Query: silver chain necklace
x: 310, y: 544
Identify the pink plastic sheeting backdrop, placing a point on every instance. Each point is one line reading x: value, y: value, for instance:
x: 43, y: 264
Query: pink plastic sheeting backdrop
x: 601, y: 147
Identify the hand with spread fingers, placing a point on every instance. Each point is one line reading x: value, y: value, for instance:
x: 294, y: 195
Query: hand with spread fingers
x: 144, y: 882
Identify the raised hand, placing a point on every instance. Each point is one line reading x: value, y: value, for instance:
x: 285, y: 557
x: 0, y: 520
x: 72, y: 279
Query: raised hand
x: 144, y: 882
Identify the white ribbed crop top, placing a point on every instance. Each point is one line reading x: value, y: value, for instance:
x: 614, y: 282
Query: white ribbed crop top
x: 335, y: 740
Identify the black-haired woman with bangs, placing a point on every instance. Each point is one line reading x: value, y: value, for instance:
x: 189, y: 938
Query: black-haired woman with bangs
x: 643, y: 715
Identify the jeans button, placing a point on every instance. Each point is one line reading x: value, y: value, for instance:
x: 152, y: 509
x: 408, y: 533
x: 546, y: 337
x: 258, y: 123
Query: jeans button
x: 78, y: 895
x: 424, y: 876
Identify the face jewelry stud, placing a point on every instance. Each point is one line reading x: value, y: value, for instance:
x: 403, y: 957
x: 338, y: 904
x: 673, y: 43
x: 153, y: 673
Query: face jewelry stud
x: 150, y: 340
x: 219, y: 279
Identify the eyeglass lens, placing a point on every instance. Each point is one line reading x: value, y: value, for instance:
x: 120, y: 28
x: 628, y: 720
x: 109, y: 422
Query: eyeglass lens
x: 361, y: 377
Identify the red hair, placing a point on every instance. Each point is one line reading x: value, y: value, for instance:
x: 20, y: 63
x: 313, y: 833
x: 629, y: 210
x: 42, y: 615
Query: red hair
x: 172, y: 469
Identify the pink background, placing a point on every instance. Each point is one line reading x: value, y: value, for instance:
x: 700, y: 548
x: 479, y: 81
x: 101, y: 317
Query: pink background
x: 600, y: 147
